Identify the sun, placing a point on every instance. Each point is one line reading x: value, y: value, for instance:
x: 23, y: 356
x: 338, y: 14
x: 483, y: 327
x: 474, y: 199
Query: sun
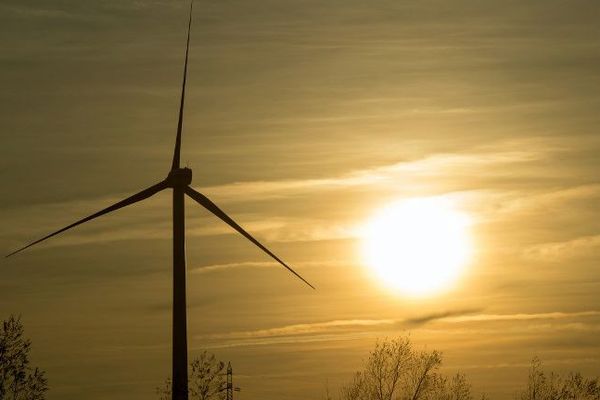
x: 418, y: 247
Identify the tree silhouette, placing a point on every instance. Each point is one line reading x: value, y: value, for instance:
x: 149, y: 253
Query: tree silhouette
x: 206, y: 381
x: 395, y: 370
x: 18, y: 379
x: 552, y: 386
x: 457, y: 388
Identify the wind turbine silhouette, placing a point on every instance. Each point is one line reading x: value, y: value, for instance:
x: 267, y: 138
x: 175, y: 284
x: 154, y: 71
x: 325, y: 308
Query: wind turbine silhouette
x: 179, y: 180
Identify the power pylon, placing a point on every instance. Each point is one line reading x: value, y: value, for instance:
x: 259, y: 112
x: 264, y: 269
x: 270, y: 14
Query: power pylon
x: 230, y: 387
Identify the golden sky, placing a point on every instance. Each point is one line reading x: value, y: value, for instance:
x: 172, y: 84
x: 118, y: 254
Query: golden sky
x: 303, y: 119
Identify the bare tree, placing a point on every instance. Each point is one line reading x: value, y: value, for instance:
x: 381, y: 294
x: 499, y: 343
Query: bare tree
x: 456, y: 388
x: 423, y: 376
x: 460, y: 388
x: 18, y: 379
x: 206, y: 381
x: 536, y: 382
x: 396, y: 371
x: 552, y: 386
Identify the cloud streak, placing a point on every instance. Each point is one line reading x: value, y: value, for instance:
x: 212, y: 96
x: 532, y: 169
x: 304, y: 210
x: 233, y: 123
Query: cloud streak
x: 349, y: 329
x: 430, y: 166
x: 565, y: 250
x: 204, y: 269
x: 440, y: 316
x: 521, y: 317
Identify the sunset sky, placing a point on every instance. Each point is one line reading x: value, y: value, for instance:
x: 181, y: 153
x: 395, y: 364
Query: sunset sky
x: 303, y: 119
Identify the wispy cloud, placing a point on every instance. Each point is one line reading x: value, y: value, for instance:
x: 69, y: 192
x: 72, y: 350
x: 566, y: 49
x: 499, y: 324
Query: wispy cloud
x: 434, y: 165
x: 521, y: 317
x: 308, y: 328
x: 298, y: 333
x: 565, y: 250
x: 349, y: 329
x: 547, y: 361
x: 219, y: 267
x: 440, y: 316
x: 269, y: 341
x: 542, y: 200
x: 266, y: 264
x: 39, y: 12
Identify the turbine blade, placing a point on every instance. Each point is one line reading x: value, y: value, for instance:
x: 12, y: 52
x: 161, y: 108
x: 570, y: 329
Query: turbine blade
x: 212, y: 207
x: 144, y: 194
x: 176, y: 153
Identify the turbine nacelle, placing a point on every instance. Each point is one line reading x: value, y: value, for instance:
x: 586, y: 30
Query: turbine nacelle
x: 179, y: 177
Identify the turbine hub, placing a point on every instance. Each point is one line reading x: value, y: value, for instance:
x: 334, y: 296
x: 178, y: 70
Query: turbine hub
x: 180, y: 177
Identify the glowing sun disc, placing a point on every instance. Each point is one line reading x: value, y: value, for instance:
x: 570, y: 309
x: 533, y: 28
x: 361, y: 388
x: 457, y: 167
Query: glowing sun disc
x: 418, y: 246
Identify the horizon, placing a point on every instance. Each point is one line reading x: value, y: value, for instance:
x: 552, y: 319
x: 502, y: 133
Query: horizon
x: 303, y: 122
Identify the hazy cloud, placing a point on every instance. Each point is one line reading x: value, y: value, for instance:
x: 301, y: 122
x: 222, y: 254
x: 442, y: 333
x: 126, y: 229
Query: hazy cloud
x: 262, y: 264
x: 434, y: 165
x: 440, y: 316
x: 520, y: 317
x: 567, y: 250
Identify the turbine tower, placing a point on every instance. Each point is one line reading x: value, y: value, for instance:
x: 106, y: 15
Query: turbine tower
x: 178, y: 179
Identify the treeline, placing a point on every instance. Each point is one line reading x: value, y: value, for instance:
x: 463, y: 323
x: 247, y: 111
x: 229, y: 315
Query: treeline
x: 394, y: 370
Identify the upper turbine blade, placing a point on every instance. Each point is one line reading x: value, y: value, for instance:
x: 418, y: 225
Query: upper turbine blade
x: 176, y: 153
x: 144, y: 194
x: 212, y: 207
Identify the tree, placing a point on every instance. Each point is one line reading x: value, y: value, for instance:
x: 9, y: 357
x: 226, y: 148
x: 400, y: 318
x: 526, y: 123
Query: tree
x: 396, y: 371
x: 457, y: 388
x: 206, y: 381
x: 552, y: 386
x: 18, y: 379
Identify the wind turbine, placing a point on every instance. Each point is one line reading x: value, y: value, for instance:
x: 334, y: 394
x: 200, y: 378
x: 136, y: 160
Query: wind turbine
x: 179, y: 180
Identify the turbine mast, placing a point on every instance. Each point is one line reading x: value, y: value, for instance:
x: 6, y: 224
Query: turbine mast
x: 180, y: 179
x: 180, y: 363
